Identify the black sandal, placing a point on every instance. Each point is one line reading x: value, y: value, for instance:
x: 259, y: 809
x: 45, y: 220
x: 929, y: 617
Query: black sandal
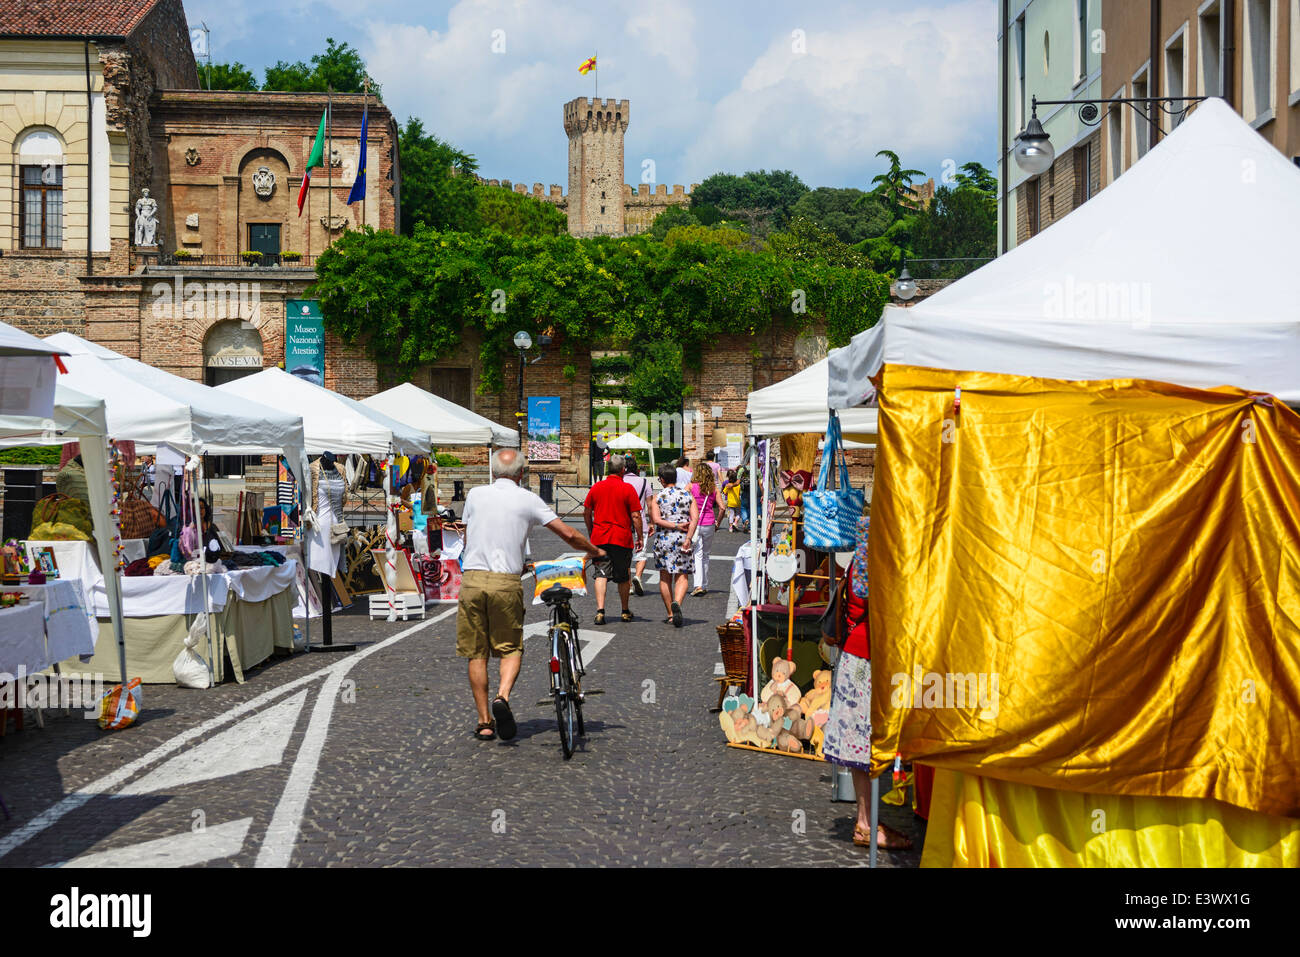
x: 600, y: 617
x: 488, y: 726
x: 677, y: 615
x: 627, y: 615
x: 505, y: 719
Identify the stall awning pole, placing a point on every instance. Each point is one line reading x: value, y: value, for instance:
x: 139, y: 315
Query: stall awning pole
x: 196, y: 463
x: 94, y: 455
x: 756, y: 558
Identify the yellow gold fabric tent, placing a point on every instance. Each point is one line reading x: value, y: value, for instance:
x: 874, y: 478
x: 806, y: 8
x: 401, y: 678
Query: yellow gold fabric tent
x: 1090, y: 587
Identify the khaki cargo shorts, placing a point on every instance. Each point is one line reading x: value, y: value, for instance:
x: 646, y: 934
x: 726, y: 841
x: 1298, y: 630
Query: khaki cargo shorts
x: 490, y: 619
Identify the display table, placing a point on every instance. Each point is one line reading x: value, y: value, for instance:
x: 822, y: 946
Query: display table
x: 22, y: 639
x: 252, y: 615
x: 51, y: 626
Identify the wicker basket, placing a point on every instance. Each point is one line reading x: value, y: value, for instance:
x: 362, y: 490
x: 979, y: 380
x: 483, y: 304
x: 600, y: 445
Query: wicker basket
x: 735, y: 650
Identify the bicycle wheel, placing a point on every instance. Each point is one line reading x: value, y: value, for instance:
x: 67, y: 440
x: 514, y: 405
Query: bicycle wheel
x: 564, y: 703
x: 577, y: 671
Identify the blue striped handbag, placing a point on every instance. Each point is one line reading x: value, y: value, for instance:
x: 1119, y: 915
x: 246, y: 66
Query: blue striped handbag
x: 830, y: 515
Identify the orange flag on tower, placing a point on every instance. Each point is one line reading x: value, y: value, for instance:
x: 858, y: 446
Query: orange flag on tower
x: 587, y: 66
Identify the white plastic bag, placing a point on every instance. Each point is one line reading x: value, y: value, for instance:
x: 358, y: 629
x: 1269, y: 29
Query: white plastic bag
x: 190, y: 670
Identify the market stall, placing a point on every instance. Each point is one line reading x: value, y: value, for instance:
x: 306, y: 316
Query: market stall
x: 56, y: 622
x: 1101, y: 413
x: 333, y: 425
x: 782, y: 585
x: 156, y: 410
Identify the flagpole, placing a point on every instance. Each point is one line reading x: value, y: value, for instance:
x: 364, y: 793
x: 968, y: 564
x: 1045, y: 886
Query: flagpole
x: 329, y: 159
x: 365, y: 105
x: 596, y: 70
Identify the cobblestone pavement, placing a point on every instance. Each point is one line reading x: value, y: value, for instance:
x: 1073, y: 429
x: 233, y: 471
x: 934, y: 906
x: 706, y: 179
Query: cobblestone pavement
x: 367, y: 759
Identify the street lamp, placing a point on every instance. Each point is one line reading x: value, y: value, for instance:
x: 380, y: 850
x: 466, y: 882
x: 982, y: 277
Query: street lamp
x: 1034, y: 153
x: 904, y: 287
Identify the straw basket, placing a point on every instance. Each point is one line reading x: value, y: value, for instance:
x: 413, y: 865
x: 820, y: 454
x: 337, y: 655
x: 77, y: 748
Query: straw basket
x: 735, y: 658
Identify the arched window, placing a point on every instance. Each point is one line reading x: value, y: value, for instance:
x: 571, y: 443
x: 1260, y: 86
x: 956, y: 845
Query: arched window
x: 40, y: 171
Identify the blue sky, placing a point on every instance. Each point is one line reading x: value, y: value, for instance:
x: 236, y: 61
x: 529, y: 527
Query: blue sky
x: 721, y: 85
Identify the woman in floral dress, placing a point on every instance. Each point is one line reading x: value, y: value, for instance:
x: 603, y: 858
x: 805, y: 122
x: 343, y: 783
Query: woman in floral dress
x: 848, y: 729
x: 674, y: 515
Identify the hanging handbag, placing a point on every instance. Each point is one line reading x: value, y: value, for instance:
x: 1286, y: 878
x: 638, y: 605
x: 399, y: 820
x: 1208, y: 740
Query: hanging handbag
x: 139, y: 519
x: 338, y: 533
x: 830, y: 515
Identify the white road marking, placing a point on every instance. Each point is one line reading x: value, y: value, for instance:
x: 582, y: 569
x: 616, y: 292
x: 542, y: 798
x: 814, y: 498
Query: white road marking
x: 179, y: 850
x: 82, y: 795
x: 282, y: 835
x: 591, y: 642
x: 256, y: 742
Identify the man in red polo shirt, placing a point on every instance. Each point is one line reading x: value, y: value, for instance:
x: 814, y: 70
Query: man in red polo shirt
x: 612, y: 511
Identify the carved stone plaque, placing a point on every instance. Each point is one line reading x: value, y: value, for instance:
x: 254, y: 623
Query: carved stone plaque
x: 264, y: 182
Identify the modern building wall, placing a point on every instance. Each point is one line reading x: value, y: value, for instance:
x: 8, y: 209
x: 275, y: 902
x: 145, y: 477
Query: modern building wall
x: 1051, y: 49
x: 1247, y: 51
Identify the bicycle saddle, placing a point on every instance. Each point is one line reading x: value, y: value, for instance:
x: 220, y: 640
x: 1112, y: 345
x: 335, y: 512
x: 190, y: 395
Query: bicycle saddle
x: 556, y: 593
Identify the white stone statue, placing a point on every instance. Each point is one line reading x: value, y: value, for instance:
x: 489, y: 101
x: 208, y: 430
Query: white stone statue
x: 146, y: 219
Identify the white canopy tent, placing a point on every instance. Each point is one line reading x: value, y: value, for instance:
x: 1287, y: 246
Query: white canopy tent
x: 80, y: 418
x: 26, y: 386
x: 1184, y: 270
x: 630, y: 440
x: 152, y: 407
x: 331, y: 422
x: 446, y: 422
x: 798, y: 404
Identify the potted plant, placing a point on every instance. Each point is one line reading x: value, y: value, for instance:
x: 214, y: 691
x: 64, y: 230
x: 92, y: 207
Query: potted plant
x: 290, y: 256
x: 182, y: 254
x: 251, y: 256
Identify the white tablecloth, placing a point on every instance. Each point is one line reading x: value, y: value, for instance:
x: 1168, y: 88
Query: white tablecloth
x: 146, y: 595
x: 22, y: 640
x: 52, y: 626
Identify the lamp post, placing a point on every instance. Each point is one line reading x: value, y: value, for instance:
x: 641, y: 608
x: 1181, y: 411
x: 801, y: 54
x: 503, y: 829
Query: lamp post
x: 523, y: 342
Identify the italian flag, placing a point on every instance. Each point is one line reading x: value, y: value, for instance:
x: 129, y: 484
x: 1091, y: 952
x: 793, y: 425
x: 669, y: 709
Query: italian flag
x: 315, y: 159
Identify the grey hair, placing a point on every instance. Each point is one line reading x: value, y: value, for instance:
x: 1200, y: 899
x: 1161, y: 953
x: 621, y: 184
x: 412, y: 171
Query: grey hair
x: 617, y: 464
x: 508, y: 463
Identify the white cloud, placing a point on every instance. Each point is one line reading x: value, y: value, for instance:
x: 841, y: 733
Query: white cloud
x: 922, y: 83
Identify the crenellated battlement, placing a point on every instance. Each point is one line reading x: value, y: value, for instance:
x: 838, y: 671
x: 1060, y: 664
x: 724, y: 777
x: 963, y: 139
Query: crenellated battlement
x: 589, y: 115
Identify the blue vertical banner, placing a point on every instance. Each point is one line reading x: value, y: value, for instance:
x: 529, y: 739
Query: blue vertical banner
x: 544, y: 428
x: 304, y: 340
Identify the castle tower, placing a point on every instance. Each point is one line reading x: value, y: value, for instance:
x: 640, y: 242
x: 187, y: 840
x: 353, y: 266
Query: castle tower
x: 595, y: 129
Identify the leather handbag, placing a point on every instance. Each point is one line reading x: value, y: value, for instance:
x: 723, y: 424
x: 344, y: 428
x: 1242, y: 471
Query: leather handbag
x: 338, y: 532
x: 830, y: 515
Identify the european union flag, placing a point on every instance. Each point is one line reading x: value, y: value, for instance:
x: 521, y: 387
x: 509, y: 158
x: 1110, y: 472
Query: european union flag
x: 359, y: 184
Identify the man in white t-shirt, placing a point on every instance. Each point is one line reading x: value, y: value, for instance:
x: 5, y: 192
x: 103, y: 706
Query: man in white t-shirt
x: 490, y: 616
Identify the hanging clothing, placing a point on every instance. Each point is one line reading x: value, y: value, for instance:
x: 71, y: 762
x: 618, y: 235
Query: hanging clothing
x: 327, y: 497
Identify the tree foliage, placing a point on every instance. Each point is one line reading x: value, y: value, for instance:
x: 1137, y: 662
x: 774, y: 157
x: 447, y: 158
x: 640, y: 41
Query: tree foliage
x: 229, y: 76
x: 655, y: 382
x: 850, y: 214
x: 439, y: 188
x: 339, y: 68
x: 518, y: 214
x: 760, y: 199
x: 409, y: 299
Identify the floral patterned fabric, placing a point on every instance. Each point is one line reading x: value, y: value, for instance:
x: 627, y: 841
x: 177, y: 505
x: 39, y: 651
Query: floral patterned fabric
x: 674, y: 506
x: 848, y: 729
x: 860, y: 556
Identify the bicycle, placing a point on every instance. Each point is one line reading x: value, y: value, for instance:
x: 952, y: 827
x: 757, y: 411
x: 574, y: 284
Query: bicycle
x: 566, y: 667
